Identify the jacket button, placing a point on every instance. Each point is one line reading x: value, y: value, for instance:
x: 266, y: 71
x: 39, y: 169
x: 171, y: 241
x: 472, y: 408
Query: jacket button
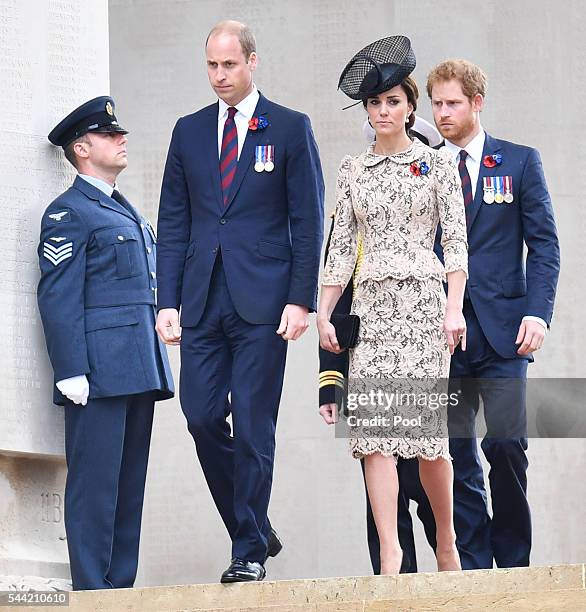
x: 149, y: 250
x: 215, y: 250
x: 142, y: 226
x: 223, y: 222
x: 153, y: 274
x: 120, y: 237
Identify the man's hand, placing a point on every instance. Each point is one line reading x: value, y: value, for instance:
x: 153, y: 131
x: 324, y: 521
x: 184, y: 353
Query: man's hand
x: 294, y: 322
x: 76, y: 388
x: 168, y: 326
x: 329, y: 413
x: 530, y: 337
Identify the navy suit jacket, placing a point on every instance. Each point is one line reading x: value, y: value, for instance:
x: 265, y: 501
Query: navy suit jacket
x: 503, y: 287
x: 96, y: 295
x: 270, y: 232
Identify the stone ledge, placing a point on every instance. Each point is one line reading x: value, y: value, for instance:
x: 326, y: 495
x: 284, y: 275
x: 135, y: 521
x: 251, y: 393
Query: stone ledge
x: 535, y: 589
x: 569, y: 600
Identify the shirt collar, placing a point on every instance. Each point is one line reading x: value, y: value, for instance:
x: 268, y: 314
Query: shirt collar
x: 245, y: 107
x: 99, y: 184
x: 409, y: 155
x: 474, y: 148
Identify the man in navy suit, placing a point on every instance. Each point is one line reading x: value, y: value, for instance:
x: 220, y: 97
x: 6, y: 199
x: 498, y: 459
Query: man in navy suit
x: 96, y: 297
x: 240, y: 233
x: 508, y: 307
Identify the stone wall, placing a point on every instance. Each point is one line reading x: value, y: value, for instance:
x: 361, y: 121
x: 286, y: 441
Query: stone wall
x: 54, y: 57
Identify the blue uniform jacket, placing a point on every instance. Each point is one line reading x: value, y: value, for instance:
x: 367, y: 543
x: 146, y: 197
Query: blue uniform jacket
x: 270, y: 232
x: 96, y: 295
x: 503, y: 287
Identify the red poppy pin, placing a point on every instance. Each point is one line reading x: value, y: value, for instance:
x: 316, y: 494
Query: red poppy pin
x: 490, y: 161
x: 258, y: 123
x: 419, y: 169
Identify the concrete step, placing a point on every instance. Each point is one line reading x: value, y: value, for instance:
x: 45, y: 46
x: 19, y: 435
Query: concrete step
x: 535, y: 588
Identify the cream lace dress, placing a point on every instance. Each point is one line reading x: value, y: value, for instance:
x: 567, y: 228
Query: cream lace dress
x: 398, y: 292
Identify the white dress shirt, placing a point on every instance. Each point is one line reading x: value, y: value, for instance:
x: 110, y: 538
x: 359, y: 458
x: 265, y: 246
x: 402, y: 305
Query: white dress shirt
x: 474, y: 149
x: 241, y: 118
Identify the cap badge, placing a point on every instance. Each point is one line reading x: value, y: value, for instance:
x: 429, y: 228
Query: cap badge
x: 109, y: 109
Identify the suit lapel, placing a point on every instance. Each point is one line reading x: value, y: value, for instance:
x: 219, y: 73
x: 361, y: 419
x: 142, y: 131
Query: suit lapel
x: 247, y: 154
x: 210, y: 138
x: 95, y: 194
x: 491, y: 146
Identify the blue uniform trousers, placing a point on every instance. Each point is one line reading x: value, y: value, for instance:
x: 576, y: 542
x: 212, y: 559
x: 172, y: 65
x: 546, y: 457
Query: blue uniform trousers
x: 225, y: 354
x: 107, y: 448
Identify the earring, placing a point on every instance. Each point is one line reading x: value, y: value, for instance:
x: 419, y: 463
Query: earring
x: 407, y: 119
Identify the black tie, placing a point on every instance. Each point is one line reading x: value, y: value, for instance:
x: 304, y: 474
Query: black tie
x: 116, y: 195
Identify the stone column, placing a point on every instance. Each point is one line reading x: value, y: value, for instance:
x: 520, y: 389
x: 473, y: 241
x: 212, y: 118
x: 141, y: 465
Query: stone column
x: 54, y: 57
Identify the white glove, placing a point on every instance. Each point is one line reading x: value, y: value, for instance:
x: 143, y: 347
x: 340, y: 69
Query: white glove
x: 76, y: 389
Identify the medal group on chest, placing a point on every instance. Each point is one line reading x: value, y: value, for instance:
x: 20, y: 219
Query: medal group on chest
x: 497, y: 189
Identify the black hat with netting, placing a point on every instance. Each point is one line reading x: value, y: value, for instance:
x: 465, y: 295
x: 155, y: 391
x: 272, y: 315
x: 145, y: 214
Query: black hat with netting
x: 378, y: 67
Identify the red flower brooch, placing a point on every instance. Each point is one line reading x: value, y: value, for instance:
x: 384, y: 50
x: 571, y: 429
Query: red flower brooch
x: 258, y: 123
x: 490, y: 161
x: 419, y: 169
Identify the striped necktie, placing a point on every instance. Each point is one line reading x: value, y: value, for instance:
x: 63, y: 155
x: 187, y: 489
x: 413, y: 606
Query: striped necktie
x: 465, y: 178
x: 229, y: 153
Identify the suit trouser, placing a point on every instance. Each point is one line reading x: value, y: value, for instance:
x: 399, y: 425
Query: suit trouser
x: 506, y: 537
x: 107, y: 448
x: 225, y: 354
x: 480, y: 372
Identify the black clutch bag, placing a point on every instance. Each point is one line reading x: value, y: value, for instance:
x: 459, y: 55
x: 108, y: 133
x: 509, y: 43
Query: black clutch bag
x: 346, y: 326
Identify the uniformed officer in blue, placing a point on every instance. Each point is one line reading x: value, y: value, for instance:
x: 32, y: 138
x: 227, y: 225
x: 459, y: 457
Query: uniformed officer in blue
x: 96, y: 296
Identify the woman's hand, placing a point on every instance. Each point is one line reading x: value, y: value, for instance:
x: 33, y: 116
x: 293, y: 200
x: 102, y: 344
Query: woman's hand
x: 455, y: 328
x: 329, y: 413
x: 327, y: 335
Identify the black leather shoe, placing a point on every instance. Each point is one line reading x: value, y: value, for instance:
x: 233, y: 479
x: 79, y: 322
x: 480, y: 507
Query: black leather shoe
x: 243, y: 571
x: 274, y: 545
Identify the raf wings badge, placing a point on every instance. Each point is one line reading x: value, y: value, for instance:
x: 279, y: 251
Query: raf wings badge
x: 60, y: 217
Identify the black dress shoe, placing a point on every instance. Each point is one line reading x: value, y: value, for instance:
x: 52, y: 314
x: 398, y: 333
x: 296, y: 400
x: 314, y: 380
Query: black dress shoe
x: 243, y: 571
x: 274, y: 545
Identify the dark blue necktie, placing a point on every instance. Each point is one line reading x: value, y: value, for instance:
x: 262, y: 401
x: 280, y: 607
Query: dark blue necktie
x: 466, y: 182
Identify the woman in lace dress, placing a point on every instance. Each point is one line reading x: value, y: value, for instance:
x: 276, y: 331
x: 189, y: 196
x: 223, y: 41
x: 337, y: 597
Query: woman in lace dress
x: 393, y: 196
